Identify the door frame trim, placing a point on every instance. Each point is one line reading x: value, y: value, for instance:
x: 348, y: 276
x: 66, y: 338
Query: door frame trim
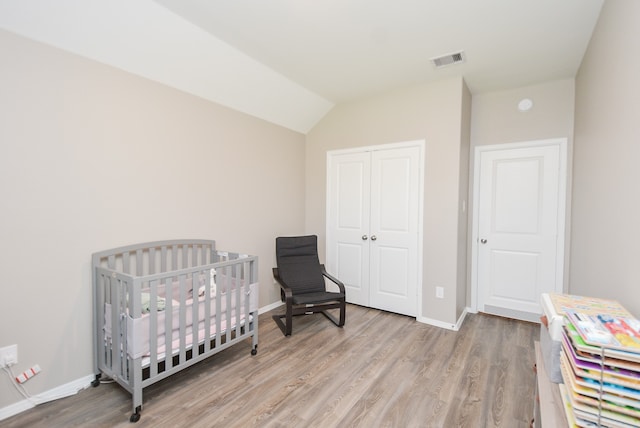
x: 563, y: 176
x: 421, y: 144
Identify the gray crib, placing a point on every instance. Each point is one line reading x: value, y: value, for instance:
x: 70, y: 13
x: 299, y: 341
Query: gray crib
x: 163, y: 306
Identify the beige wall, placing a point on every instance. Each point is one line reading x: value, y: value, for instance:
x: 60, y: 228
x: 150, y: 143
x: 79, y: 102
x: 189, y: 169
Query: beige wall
x: 93, y: 158
x: 496, y: 119
x: 463, y: 212
x: 605, y: 255
x: 430, y: 112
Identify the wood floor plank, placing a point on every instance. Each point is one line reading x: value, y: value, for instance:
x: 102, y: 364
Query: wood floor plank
x: 380, y: 370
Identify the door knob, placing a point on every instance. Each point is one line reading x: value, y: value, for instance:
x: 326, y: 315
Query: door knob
x: 373, y: 237
x: 483, y: 241
x: 364, y: 237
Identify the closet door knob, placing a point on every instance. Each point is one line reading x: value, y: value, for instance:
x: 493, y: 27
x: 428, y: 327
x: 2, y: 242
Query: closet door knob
x: 373, y: 237
x: 483, y: 241
x: 365, y: 237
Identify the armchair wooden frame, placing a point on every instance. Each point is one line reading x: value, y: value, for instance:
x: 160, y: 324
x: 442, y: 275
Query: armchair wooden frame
x: 303, y: 287
x: 292, y: 309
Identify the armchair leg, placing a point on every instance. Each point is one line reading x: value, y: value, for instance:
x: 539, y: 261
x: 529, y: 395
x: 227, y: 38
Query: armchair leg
x: 286, y: 329
x: 339, y: 323
x: 288, y: 315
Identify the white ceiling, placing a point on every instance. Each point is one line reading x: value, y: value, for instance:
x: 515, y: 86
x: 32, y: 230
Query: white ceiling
x: 290, y: 61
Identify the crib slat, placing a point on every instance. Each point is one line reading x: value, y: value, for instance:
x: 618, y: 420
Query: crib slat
x: 183, y: 319
x: 139, y: 263
x: 239, y: 284
x: 228, y: 294
x: 168, y: 325
x: 115, y: 329
x: 125, y: 263
x: 152, y: 261
x: 153, y: 328
x: 195, y: 300
x: 247, y: 295
x: 163, y: 259
x: 174, y: 257
x: 117, y: 333
x: 126, y: 303
x: 108, y: 298
x: 207, y: 311
x: 218, y: 314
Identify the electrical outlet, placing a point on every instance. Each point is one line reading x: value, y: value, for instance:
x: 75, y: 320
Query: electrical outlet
x: 9, y: 355
x: 440, y: 292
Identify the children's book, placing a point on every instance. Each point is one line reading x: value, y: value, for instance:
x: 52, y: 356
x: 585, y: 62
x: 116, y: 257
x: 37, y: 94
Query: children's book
x: 596, y: 413
x: 587, y: 305
x: 607, y: 331
x: 613, y: 357
x: 568, y: 410
x: 593, y: 396
x: 593, y: 366
x: 627, y: 395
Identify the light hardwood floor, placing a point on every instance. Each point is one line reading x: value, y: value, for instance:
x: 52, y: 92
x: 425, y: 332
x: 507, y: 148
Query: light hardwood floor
x: 380, y: 370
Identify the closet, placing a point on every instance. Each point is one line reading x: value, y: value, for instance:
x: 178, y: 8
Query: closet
x: 374, y: 217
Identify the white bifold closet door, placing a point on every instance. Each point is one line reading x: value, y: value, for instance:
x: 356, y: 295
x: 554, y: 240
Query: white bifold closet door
x: 373, y: 225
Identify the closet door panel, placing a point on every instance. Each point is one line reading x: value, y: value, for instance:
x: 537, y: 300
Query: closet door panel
x: 348, y: 205
x: 394, y: 229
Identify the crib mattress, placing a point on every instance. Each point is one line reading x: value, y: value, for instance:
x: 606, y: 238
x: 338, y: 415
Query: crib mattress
x: 139, y: 329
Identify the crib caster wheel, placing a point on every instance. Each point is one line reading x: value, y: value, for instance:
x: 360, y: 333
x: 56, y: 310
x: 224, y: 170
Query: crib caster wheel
x: 135, y: 417
x: 254, y: 351
x: 96, y: 381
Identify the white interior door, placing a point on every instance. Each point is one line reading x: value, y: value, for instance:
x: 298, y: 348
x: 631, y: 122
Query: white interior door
x: 394, y: 230
x: 373, y: 214
x: 520, y: 227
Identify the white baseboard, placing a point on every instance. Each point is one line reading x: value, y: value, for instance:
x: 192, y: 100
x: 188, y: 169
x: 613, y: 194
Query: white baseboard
x: 512, y: 313
x: 267, y: 308
x: 441, y: 324
x: 14, y: 409
x: 61, y: 391
x: 463, y: 315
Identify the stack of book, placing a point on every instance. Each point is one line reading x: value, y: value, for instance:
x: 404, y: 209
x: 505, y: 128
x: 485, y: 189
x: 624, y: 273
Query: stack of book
x: 600, y: 365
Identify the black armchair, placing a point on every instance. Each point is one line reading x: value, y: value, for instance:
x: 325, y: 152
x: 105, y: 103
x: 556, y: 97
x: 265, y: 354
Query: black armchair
x: 302, y: 285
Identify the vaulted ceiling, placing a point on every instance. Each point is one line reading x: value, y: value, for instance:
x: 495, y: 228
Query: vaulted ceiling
x: 290, y: 61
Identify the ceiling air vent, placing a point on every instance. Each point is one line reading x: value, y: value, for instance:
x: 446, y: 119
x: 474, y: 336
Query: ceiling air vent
x: 449, y: 59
